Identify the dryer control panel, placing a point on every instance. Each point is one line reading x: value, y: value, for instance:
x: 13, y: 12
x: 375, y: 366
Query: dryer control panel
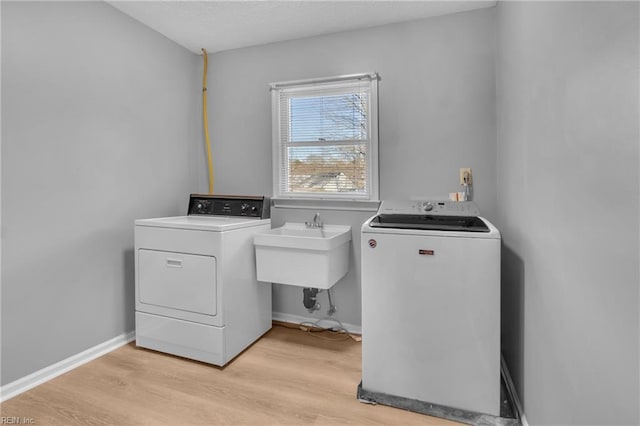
x: 258, y: 207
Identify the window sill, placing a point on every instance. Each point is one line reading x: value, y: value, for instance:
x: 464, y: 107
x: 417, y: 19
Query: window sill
x: 325, y: 204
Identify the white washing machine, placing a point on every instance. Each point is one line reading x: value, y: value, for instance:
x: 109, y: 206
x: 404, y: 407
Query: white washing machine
x: 431, y: 305
x: 197, y: 295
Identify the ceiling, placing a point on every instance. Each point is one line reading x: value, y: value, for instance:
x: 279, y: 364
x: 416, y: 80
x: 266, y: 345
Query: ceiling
x: 223, y: 25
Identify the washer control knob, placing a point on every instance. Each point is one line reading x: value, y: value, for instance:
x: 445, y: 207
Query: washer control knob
x: 244, y: 207
x: 427, y: 206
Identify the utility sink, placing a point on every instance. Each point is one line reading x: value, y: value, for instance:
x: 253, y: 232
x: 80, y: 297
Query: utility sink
x: 306, y: 257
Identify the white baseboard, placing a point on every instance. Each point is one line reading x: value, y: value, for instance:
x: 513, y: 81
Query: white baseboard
x: 25, y: 383
x: 298, y: 319
x: 511, y: 388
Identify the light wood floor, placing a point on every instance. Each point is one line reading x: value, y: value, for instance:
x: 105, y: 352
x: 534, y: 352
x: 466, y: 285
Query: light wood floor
x: 288, y: 377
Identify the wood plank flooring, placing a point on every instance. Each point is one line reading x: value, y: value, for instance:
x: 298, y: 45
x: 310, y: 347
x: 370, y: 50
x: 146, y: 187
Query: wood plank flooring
x: 288, y: 377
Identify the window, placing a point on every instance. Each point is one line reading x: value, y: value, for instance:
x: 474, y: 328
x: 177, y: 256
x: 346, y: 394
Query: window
x: 325, y: 138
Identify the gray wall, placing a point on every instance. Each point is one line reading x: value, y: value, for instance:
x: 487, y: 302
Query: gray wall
x: 100, y: 120
x: 568, y: 198
x: 436, y: 114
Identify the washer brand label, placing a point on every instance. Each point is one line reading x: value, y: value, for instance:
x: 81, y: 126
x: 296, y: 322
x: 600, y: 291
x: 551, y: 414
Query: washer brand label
x: 426, y: 252
x: 373, y: 243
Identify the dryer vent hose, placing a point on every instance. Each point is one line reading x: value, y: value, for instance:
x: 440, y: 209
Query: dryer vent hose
x: 205, y: 119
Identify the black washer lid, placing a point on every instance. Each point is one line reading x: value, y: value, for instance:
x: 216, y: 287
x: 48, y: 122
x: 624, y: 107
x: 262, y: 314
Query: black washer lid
x: 430, y: 222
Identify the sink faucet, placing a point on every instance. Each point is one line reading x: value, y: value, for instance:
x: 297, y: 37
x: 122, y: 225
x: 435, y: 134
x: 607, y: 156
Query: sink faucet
x: 316, y: 223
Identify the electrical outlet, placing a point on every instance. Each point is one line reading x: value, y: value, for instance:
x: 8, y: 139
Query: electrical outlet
x: 465, y: 172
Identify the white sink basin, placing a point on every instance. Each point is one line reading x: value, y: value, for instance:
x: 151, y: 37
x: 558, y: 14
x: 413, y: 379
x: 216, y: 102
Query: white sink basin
x: 306, y: 257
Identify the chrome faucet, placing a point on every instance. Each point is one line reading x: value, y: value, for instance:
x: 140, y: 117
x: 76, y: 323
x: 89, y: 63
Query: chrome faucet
x: 316, y: 223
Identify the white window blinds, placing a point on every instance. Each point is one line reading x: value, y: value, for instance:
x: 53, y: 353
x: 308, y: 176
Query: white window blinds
x: 324, y: 135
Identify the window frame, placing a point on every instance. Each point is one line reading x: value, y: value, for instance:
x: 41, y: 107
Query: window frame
x: 372, y: 149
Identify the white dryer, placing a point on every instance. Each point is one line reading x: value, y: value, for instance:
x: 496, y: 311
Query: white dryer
x: 431, y: 305
x: 196, y: 293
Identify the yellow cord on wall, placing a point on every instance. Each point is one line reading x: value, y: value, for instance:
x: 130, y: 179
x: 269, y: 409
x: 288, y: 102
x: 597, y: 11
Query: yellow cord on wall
x: 205, y: 119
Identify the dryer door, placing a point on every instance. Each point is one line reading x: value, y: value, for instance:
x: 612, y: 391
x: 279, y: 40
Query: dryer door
x: 186, y: 282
